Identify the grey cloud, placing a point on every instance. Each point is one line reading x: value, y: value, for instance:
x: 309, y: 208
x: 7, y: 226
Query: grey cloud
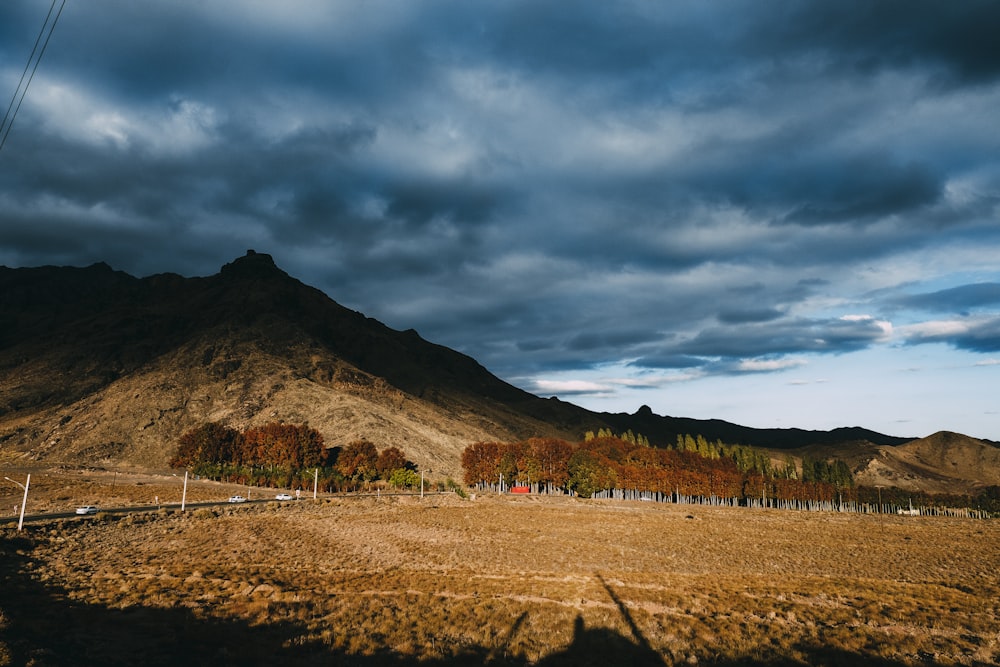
x: 784, y: 337
x: 976, y: 336
x: 748, y: 315
x: 614, y: 340
x: 670, y: 361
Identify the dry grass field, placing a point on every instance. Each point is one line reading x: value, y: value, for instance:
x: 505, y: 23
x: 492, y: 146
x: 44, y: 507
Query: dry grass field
x: 496, y: 580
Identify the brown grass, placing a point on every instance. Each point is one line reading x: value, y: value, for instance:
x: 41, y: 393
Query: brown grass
x: 500, y: 581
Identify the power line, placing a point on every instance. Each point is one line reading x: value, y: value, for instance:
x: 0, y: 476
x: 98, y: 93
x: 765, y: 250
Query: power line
x: 5, y: 126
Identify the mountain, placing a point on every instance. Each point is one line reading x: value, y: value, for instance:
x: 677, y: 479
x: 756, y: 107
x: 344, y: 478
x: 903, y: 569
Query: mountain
x: 96, y: 365
x: 99, y: 366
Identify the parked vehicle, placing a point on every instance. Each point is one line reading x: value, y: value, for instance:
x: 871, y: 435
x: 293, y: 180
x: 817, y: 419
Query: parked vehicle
x: 283, y: 496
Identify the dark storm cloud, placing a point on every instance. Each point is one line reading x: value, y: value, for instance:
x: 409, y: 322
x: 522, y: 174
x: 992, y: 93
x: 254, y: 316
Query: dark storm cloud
x: 423, y: 202
x: 679, y: 186
x: 955, y: 299
x: 896, y: 35
x: 865, y: 190
x: 609, y: 341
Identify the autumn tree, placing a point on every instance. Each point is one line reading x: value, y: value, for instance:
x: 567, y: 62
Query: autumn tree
x: 481, y: 463
x: 589, y: 472
x: 208, y: 443
x: 282, y: 445
x: 551, y: 460
x: 390, y: 459
x: 357, y: 461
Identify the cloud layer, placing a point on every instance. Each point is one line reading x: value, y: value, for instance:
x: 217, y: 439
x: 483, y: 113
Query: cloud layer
x: 680, y: 190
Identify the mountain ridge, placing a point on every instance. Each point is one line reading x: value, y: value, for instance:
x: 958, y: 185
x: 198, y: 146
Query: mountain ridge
x: 97, y: 365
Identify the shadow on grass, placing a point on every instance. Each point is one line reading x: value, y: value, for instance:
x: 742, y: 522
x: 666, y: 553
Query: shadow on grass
x: 41, y: 627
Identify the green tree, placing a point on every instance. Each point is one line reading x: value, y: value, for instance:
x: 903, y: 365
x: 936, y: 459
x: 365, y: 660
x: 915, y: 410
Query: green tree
x: 404, y: 478
x: 588, y: 473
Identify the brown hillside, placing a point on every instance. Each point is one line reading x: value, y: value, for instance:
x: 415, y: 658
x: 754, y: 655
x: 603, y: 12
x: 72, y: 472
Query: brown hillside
x: 942, y: 462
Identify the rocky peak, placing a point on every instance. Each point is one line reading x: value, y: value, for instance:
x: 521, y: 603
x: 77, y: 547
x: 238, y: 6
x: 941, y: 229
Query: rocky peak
x: 253, y: 264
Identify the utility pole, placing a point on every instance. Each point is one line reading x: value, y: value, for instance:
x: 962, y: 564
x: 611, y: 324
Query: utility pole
x: 27, y: 483
x: 185, y: 493
x: 315, y: 482
x: 881, y: 526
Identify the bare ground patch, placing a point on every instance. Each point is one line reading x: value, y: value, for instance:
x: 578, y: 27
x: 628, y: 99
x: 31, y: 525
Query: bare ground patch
x: 500, y: 581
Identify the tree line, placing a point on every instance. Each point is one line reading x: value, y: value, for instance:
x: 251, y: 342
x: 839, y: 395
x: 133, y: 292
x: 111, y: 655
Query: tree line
x: 692, y: 467
x: 289, y: 456
x: 695, y: 470
x: 986, y: 499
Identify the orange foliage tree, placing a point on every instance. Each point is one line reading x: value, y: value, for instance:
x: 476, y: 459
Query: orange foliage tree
x: 357, y: 461
x: 282, y: 445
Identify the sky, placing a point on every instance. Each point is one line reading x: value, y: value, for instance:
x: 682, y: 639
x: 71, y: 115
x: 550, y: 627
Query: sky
x: 781, y: 214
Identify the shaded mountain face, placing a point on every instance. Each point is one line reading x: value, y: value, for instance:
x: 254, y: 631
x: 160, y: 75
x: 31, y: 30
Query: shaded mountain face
x: 99, y: 366
x: 666, y: 429
x: 113, y: 324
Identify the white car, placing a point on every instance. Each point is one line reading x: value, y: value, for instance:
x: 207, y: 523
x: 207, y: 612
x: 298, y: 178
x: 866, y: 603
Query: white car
x: 283, y: 496
x: 237, y: 499
x: 87, y: 509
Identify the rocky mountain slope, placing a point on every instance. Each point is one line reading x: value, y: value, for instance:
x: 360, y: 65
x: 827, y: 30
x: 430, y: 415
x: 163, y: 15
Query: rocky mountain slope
x: 98, y: 366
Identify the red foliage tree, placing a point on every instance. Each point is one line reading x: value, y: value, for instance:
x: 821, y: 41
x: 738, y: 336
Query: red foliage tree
x: 389, y: 459
x: 208, y: 443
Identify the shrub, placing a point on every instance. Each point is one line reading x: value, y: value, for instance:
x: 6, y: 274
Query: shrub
x: 454, y: 486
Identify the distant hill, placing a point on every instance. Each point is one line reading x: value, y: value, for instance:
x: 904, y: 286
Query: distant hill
x: 97, y: 366
x: 666, y: 429
x: 942, y: 462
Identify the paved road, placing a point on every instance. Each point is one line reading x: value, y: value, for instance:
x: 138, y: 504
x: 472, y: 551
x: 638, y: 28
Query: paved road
x: 128, y: 510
